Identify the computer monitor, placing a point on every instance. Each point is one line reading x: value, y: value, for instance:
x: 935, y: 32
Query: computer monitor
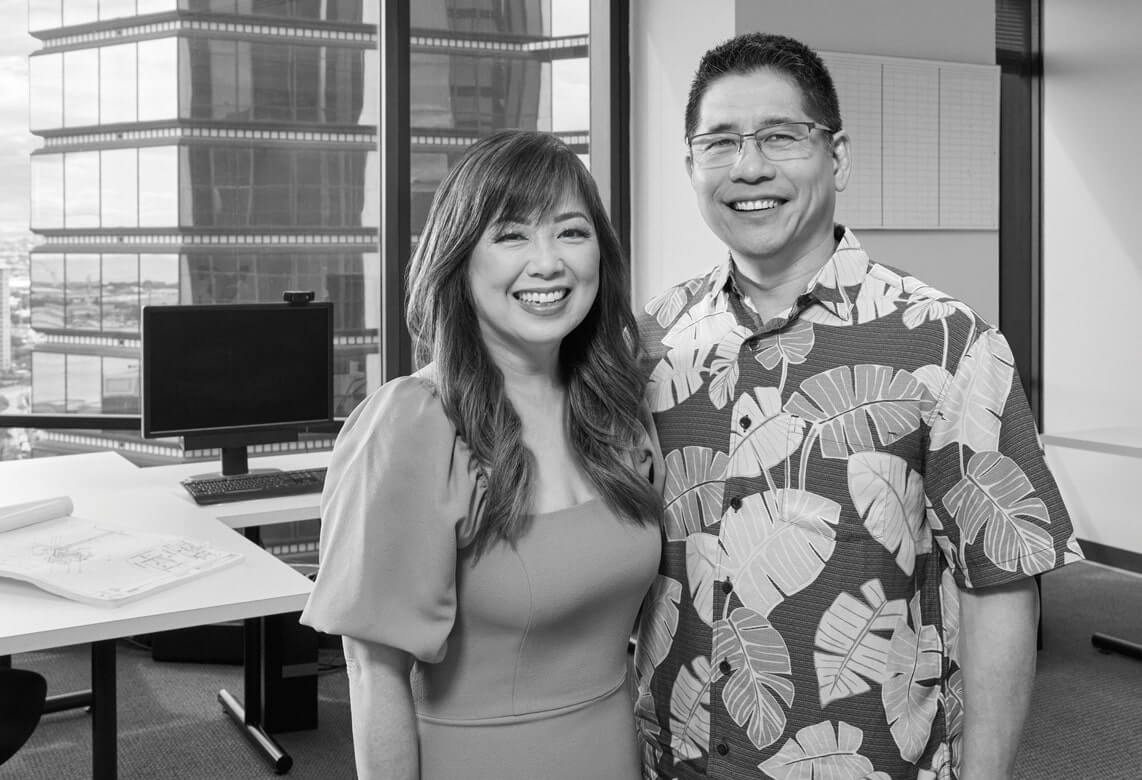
x: 232, y: 375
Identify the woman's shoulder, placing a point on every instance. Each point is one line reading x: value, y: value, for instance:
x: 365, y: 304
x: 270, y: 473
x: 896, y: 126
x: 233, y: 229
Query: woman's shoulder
x: 402, y: 408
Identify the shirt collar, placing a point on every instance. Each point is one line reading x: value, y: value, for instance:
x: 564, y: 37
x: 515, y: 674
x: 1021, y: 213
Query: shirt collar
x: 835, y: 286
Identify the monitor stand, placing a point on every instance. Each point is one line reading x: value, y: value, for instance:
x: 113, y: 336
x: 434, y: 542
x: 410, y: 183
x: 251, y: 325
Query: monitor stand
x: 235, y: 461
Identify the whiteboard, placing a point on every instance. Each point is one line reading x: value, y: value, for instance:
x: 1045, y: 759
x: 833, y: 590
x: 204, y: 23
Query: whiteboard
x: 924, y: 139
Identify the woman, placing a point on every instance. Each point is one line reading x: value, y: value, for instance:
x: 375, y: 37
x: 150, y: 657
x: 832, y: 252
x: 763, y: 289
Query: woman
x: 489, y: 523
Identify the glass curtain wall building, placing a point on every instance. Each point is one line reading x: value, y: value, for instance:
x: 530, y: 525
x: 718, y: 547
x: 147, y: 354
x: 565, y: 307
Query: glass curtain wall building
x: 477, y: 67
x: 195, y: 151
x: 218, y: 151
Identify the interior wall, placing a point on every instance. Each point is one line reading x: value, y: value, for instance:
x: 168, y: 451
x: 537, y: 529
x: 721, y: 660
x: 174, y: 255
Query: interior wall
x: 669, y: 240
x: 1092, y: 273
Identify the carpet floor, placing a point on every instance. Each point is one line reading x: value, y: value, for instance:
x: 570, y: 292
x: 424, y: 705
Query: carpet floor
x: 1085, y: 721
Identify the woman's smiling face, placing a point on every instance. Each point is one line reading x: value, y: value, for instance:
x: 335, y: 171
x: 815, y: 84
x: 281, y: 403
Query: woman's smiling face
x: 533, y: 282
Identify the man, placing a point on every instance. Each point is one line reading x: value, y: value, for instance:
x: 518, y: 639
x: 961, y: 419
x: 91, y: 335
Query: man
x: 856, y: 496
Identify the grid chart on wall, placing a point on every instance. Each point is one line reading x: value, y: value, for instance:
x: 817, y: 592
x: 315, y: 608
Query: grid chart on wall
x: 925, y: 142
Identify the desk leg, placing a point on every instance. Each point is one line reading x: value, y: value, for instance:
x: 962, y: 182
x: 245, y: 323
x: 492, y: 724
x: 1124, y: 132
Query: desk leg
x: 249, y: 717
x: 1112, y: 644
x: 104, y: 728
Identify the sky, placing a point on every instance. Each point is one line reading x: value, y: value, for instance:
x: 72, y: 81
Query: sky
x: 16, y: 143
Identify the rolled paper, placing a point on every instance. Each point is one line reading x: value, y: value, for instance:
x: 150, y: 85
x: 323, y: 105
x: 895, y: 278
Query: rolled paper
x: 19, y: 515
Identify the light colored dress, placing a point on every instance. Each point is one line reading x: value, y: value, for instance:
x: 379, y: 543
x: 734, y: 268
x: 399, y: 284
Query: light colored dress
x: 521, y: 655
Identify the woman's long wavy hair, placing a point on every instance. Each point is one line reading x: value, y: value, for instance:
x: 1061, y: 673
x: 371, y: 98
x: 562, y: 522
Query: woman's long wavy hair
x: 519, y: 175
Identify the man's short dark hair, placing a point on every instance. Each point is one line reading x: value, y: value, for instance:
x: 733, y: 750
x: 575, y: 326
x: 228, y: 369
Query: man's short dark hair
x: 755, y: 51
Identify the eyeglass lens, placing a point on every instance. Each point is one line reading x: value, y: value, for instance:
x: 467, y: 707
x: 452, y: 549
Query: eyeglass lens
x: 777, y: 143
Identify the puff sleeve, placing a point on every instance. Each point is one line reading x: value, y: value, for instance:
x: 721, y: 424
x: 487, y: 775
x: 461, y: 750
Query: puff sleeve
x: 397, y: 492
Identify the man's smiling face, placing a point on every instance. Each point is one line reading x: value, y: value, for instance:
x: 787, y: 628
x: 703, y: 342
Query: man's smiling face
x: 771, y: 215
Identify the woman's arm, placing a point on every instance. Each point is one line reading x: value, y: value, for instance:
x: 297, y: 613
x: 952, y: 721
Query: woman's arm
x: 384, y: 718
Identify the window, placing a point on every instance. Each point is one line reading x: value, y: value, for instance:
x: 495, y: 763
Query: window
x: 233, y: 160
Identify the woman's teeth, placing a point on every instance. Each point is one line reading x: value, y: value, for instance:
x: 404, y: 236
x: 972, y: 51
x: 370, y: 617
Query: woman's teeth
x: 550, y: 296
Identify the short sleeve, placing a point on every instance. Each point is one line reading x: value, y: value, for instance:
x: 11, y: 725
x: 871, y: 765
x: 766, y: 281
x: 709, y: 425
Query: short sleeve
x: 398, y: 490
x: 993, y: 505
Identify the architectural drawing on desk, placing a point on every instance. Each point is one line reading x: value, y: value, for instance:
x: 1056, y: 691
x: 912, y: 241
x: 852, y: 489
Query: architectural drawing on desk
x: 174, y: 557
x: 89, y: 562
x: 69, y: 553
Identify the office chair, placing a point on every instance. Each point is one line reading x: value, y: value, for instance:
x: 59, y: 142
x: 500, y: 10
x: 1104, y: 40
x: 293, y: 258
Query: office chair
x: 22, y: 696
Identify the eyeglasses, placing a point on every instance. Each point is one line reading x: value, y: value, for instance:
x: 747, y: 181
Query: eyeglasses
x: 789, y: 141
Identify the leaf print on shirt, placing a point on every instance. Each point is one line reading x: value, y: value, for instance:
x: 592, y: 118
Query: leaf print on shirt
x: 972, y: 410
x: 953, y: 701
x: 676, y: 377
x: 912, y: 690
x: 890, y: 499
x: 928, y: 310
x: 758, y: 658
x: 935, y: 379
x: 847, y: 268
x: 706, y: 323
x: 788, y: 346
x: 994, y: 493
x: 876, y: 299
x: 761, y: 435
x: 772, y: 553
x: 656, y: 627
x: 1073, y: 552
x: 852, y: 651
x: 939, y: 769
x: 702, y: 554
x: 791, y: 345
x: 666, y: 307
x: 950, y: 614
x: 949, y: 550
x: 695, y: 483
x: 690, y: 710
x: 724, y: 368
x: 819, y: 753
x: 919, y: 292
x: 840, y: 403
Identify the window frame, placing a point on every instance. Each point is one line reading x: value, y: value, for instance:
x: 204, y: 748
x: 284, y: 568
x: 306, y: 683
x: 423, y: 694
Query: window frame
x: 610, y: 152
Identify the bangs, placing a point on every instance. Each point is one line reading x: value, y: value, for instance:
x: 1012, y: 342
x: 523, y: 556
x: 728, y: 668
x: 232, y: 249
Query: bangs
x: 533, y: 188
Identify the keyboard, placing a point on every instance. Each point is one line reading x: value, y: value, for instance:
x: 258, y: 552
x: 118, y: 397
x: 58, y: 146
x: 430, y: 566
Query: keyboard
x: 248, y: 487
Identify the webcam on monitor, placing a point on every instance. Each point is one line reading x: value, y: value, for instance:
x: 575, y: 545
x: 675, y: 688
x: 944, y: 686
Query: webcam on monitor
x: 298, y: 297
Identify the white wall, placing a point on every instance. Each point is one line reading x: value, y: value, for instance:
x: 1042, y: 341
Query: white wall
x: 669, y: 240
x: 1092, y: 264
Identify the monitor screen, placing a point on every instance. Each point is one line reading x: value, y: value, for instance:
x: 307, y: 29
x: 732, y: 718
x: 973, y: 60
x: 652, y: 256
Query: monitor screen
x: 235, y: 374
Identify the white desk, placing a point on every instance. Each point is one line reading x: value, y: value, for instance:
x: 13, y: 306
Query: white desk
x: 105, y: 486
x: 164, y: 480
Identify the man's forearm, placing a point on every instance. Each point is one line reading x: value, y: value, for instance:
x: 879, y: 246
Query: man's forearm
x: 997, y: 656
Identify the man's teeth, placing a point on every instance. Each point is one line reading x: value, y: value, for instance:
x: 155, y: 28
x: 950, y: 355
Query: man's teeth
x: 753, y: 205
x: 551, y: 296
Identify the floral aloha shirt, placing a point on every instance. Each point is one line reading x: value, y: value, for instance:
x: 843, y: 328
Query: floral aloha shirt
x: 834, y: 477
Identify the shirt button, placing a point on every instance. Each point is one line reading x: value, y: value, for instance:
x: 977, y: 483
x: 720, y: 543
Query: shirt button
x: 727, y: 587
x: 722, y: 748
x: 725, y: 667
x: 736, y: 503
